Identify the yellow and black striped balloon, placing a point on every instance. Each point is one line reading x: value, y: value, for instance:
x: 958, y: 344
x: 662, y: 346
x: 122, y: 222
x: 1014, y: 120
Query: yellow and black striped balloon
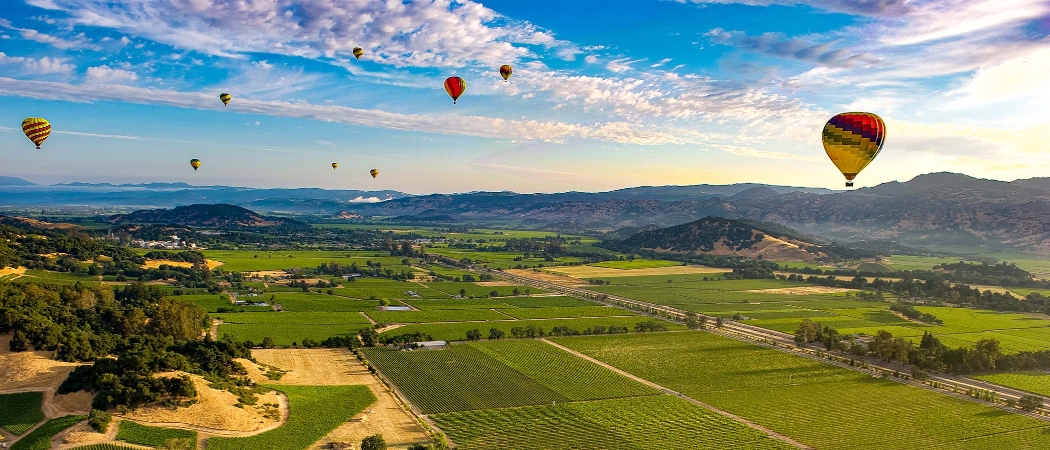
x: 374, y: 173
x: 852, y: 140
x: 195, y: 163
x: 225, y: 98
x: 37, y: 129
x: 358, y: 51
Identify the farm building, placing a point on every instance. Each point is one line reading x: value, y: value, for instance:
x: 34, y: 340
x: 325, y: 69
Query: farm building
x: 431, y: 344
x: 394, y: 308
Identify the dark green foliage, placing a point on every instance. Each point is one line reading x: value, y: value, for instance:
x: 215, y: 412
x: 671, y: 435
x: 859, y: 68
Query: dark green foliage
x: 154, y: 436
x: 405, y: 338
x: 40, y: 438
x: 698, y: 236
x: 652, y: 325
x: 914, y: 314
x: 20, y: 411
x: 373, y: 442
x: 99, y: 420
x: 1031, y: 402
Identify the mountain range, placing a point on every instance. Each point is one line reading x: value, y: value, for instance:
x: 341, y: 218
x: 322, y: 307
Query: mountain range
x: 933, y: 209
x: 206, y: 216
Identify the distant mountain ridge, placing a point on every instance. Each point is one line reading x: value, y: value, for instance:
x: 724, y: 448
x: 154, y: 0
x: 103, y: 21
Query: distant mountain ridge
x: 207, y: 216
x: 15, y: 181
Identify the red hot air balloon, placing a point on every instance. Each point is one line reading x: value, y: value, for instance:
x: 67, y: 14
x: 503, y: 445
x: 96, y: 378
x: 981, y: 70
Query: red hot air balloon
x: 455, y: 87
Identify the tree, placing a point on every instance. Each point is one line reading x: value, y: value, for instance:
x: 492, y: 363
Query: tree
x: 920, y: 375
x: 494, y: 293
x: 496, y: 334
x: 420, y: 447
x: 384, y: 302
x: 462, y: 292
x: 692, y: 320
x: 1031, y: 403
x: 19, y: 342
x: 267, y: 342
x: 718, y: 322
x: 373, y: 442
x: 806, y: 332
x: 474, y: 335
x: 99, y: 420
x: 369, y: 337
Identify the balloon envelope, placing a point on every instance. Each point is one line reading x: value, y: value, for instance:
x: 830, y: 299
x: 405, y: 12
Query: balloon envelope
x: 37, y: 129
x: 358, y: 51
x: 225, y: 98
x: 374, y: 173
x: 455, y: 87
x: 852, y: 140
x: 334, y: 165
x: 506, y: 71
x: 195, y: 163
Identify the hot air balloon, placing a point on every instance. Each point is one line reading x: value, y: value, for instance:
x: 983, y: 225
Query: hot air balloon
x: 37, y: 129
x: 374, y: 172
x: 455, y: 87
x: 358, y: 51
x: 334, y: 165
x: 195, y: 163
x: 852, y: 140
x: 225, y: 98
x: 506, y: 71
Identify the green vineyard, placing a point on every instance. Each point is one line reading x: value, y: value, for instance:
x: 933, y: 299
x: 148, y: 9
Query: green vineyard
x: 20, y: 411
x: 134, y: 433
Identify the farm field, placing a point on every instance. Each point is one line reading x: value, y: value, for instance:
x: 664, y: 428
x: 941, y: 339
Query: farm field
x: 779, y: 394
x: 315, y: 412
x: 499, y: 259
x: 436, y: 315
x: 288, y: 327
x: 655, y: 422
x: 594, y: 271
x: 1032, y: 381
x: 498, y: 374
x: 260, y: 260
x: 134, y: 433
x: 458, y: 331
x: 637, y: 264
x: 20, y: 411
x: 576, y: 311
x: 40, y: 438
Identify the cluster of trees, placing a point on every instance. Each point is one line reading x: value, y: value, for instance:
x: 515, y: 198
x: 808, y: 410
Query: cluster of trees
x: 372, y: 269
x: 405, y: 338
x: 149, y: 332
x: 929, y: 355
x: 1000, y: 274
x: 939, y: 290
x: 910, y: 312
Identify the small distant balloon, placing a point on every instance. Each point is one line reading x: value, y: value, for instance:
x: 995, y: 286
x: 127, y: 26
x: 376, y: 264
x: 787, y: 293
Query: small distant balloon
x: 225, y: 98
x: 195, y: 163
x: 37, y: 129
x: 455, y: 86
x: 506, y: 71
x: 334, y: 165
x: 358, y: 51
x: 374, y: 173
x: 852, y: 140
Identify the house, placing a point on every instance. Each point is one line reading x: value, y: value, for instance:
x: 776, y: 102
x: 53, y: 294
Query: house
x: 395, y: 308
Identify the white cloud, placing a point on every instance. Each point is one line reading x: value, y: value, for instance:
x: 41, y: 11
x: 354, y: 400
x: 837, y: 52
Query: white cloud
x: 43, y: 65
x: 936, y: 20
x: 422, y: 33
x: 590, y: 59
x: 1023, y: 77
x: 78, y: 41
x: 620, y: 65
x: 106, y: 74
x: 660, y: 63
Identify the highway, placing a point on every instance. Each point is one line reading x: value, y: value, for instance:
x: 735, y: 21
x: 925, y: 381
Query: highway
x: 956, y: 386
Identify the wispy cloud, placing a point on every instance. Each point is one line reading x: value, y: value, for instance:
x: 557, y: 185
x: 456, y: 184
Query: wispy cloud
x: 778, y: 45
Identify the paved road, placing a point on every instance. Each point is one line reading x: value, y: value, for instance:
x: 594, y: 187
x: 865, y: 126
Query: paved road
x: 786, y: 343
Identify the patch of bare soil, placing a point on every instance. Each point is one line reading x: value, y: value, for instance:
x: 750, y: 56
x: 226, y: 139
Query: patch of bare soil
x: 78, y: 402
x: 27, y: 370
x: 547, y: 276
x: 82, y: 433
x: 598, y: 272
x: 156, y: 263
x: 337, y: 366
x: 214, y: 410
x: 16, y: 271
x: 806, y: 290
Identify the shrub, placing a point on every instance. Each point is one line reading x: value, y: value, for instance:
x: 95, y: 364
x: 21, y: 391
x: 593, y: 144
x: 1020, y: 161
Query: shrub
x: 99, y: 420
x: 373, y: 442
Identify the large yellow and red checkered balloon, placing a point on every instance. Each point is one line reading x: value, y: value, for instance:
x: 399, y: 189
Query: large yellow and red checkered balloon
x: 852, y: 140
x: 37, y: 129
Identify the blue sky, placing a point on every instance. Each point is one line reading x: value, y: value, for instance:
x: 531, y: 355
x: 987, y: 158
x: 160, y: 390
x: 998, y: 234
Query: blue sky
x: 604, y: 95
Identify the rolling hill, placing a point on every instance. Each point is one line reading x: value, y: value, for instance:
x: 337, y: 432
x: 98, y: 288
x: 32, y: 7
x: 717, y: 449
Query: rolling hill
x: 720, y: 236
x: 207, y: 216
